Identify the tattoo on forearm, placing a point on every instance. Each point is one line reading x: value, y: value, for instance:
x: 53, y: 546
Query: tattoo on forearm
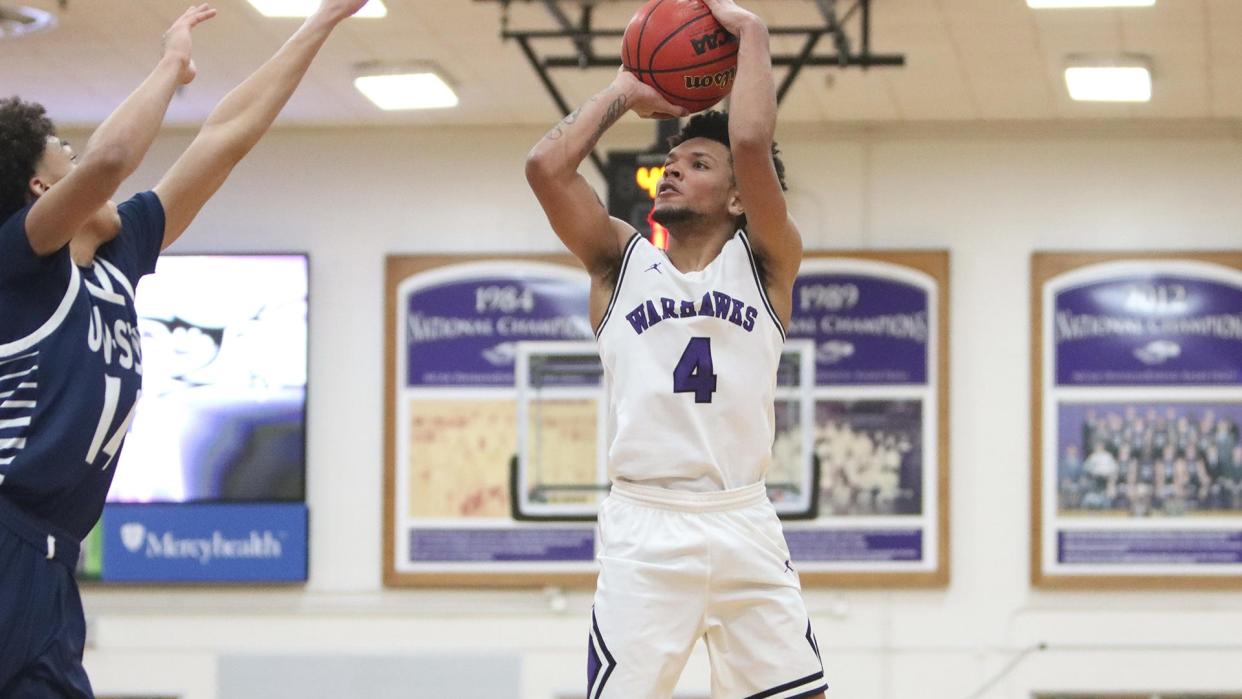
x: 558, y: 131
x: 614, y: 112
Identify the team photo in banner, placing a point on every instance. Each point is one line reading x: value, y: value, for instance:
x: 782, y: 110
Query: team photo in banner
x: 1137, y: 383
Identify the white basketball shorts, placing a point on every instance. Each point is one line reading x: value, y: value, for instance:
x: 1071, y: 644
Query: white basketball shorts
x: 676, y: 567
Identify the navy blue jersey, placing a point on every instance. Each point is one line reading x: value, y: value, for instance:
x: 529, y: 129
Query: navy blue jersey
x: 70, y: 365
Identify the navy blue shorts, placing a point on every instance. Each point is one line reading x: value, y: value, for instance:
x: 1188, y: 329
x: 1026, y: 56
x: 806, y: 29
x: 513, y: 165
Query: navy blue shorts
x: 40, y: 611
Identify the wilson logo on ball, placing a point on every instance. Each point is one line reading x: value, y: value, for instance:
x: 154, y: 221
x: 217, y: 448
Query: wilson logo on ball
x: 711, y: 41
x: 679, y: 48
x: 702, y: 82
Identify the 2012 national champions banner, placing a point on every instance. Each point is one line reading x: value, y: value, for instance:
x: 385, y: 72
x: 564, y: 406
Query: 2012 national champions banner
x: 1137, y: 380
x: 460, y: 332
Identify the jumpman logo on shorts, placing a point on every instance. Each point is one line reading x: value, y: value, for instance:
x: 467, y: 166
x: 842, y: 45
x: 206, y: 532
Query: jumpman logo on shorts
x: 655, y: 266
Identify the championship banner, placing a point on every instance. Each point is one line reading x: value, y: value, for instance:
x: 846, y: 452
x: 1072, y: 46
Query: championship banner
x: 878, y: 324
x: 458, y: 328
x: 497, y: 424
x: 1137, y: 388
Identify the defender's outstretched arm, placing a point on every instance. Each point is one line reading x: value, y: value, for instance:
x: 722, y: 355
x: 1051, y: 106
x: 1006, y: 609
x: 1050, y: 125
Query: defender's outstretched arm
x: 117, y: 146
x: 241, y: 119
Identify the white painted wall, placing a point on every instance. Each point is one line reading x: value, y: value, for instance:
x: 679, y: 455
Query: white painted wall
x: 989, y: 194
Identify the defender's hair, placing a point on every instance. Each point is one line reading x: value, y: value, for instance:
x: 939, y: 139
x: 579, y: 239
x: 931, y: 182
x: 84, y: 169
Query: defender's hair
x: 24, y: 130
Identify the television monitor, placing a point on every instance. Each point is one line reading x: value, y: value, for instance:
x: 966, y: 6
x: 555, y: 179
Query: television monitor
x: 217, y: 449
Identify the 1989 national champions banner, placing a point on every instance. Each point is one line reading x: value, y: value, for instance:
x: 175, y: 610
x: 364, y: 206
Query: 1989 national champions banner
x: 878, y: 322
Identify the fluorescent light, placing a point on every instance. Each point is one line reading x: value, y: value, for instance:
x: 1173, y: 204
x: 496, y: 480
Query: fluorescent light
x: 19, y: 20
x: 1109, y: 83
x: 1049, y: 4
x: 409, y: 90
x: 305, y: 8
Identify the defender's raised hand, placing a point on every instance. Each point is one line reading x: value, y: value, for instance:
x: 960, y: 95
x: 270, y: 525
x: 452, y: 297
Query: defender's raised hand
x: 177, y: 43
x: 338, y: 10
x: 242, y: 117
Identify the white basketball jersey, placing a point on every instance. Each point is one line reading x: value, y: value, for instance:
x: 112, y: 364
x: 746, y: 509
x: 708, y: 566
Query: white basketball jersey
x: 690, y: 363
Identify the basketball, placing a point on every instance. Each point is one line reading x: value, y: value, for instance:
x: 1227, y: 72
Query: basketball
x: 678, y: 47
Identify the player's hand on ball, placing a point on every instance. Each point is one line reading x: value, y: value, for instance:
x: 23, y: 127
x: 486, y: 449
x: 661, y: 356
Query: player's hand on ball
x: 177, y: 43
x: 732, y: 17
x: 644, y: 100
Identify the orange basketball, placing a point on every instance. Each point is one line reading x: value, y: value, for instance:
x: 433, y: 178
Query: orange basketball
x: 678, y: 47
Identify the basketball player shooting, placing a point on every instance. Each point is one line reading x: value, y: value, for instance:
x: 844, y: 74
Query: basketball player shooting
x: 70, y: 361
x: 690, y: 342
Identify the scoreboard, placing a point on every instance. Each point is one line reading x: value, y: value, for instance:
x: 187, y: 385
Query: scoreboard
x: 632, y: 180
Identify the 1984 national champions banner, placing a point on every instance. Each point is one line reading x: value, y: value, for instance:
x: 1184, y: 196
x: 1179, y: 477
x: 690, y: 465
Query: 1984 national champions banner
x: 455, y: 326
x: 1137, y: 380
x: 496, y: 433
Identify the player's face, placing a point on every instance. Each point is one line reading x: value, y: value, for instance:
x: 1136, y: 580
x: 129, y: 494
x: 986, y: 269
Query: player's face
x: 58, y: 161
x: 698, y: 183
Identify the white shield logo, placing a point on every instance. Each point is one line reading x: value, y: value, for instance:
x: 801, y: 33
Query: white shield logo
x: 132, y: 535
x: 834, y: 351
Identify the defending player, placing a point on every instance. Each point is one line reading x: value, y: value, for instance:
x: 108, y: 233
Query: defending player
x: 70, y: 361
x: 690, y: 342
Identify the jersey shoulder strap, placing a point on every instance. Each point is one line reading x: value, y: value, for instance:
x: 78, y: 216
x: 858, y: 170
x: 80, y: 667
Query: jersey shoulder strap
x: 633, y: 243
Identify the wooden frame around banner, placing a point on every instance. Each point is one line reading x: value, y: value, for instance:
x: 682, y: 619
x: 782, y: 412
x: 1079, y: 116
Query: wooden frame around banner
x: 396, y: 269
x: 934, y: 263
x: 1044, y: 267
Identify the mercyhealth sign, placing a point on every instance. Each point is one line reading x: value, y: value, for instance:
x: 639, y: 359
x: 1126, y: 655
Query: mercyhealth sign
x: 220, y: 543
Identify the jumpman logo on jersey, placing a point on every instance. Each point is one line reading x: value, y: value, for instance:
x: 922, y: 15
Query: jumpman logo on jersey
x: 655, y: 266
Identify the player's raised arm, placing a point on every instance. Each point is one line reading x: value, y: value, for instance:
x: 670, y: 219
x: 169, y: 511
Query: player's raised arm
x: 752, y: 128
x: 117, y: 146
x: 241, y: 119
x: 574, y: 210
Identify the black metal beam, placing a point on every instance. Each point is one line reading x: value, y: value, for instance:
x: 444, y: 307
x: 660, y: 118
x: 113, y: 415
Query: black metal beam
x: 601, y: 33
x: 557, y: 97
x: 878, y: 60
x: 866, y: 26
x: 851, y: 12
x: 543, y: 76
x: 807, y: 49
x: 581, y: 39
x: 583, y: 34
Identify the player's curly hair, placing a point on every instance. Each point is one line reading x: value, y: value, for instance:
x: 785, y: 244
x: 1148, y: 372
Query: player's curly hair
x: 24, y: 130
x: 714, y: 125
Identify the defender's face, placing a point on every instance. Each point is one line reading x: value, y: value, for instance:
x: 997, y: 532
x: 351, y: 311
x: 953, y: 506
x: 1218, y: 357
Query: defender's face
x: 698, y: 176
x: 58, y: 161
